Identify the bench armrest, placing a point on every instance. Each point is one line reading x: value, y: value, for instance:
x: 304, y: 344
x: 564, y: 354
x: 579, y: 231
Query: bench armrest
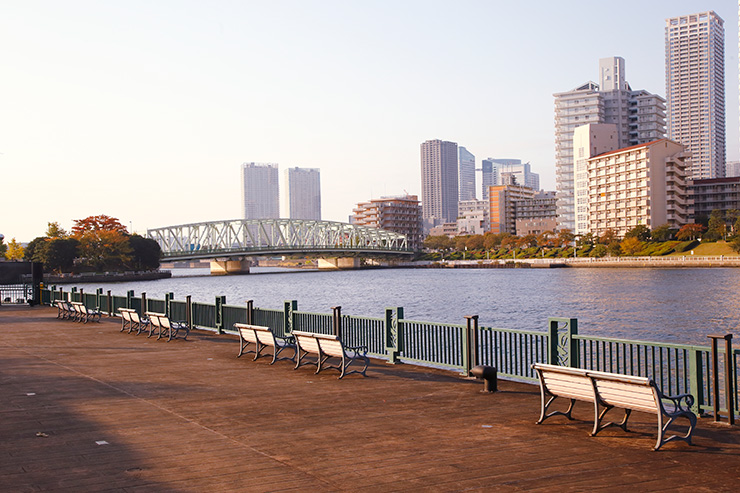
x: 290, y: 340
x: 357, y: 349
x: 681, y: 403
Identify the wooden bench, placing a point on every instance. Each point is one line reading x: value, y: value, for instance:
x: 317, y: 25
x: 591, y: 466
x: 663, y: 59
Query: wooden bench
x: 609, y: 390
x: 263, y: 337
x: 65, y: 310
x: 85, y: 314
x: 126, y: 322
x: 163, y: 325
x: 329, y: 346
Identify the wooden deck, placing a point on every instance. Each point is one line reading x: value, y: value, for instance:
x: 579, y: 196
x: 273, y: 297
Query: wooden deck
x: 87, y: 408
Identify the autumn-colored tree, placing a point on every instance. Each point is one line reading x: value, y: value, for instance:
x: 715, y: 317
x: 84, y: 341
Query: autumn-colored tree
x: 103, y: 242
x: 508, y: 241
x: 565, y: 237
x: 545, y: 239
x: 437, y: 242
x: 475, y: 242
x: 491, y: 241
x: 690, y: 231
x: 631, y: 245
x: 14, y: 251
x: 608, y: 237
x: 460, y: 242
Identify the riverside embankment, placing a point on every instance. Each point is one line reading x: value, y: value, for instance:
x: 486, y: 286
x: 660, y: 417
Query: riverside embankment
x: 671, y: 262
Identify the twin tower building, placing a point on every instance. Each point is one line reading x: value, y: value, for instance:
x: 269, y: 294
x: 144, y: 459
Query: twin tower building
x: 301, y: 197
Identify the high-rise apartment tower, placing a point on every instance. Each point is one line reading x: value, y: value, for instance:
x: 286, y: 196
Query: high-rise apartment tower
x: 439, y: 192
x: 303, y: 193
x: 260, y: 191
x: 695, y: 89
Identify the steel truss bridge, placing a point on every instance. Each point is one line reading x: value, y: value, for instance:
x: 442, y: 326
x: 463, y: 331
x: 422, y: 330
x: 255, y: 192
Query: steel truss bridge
x: 251, y: 237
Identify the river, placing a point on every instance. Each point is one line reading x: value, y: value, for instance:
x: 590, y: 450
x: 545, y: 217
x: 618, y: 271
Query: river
x: 665, y: 305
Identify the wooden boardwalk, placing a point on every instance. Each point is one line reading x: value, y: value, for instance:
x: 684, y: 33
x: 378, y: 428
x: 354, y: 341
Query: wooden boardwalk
x: 87, y: 408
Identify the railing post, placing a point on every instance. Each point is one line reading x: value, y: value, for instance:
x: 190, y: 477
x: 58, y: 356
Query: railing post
x: 189, y: 311
x: 167, y: 299
x: 110, y: 304
x: 472, y: 343
x: 250, y: 312
x: 288, y: 308
x: 219, y: 322
x: 337, y: 320
x: 696, y: 379
x: 729, y: 377
x: 392, y: 333
x: 129, y: 297
x: 144, y: 308
x: 562, y: 348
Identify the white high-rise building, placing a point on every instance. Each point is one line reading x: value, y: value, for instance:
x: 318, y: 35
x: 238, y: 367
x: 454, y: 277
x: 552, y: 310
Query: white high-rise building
x: 303, y: 193
x: 695, y: 89
x: 260, y: 191
x: 466, y: 180
x: 639, y: 117
x: 589, y: 141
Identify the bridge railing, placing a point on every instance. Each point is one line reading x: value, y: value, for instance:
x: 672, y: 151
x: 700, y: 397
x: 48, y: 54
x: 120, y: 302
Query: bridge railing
x: 675, y: 368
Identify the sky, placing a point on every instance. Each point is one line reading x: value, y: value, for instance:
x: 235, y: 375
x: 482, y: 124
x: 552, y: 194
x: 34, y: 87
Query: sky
x: 145, y: 110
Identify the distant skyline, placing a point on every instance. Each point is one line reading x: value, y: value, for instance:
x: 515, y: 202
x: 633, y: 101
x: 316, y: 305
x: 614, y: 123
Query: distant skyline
x: 145, y: 110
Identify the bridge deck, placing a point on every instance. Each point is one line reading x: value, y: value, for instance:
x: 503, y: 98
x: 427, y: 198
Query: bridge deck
x: 119, y: 412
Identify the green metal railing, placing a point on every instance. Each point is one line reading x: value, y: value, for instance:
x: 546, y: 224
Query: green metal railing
x: 676, y: 368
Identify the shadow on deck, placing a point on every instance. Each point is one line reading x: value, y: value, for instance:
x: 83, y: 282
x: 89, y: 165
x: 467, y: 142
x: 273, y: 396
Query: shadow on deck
x: 87, y: 408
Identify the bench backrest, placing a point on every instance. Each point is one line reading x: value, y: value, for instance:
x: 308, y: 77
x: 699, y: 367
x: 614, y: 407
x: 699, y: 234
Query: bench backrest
x: 306, y: 341
x: 565, y: 381
x: 134, y: 316
x: 256, y: 333
x: 330, y: 345
x: 155, y: 318
x: 126, y: 313
x: 638, y: 393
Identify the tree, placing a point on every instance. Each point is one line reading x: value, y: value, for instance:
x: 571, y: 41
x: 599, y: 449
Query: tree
x: 475, y: 242
x: 641, y: 232
x: 3, y: 246
x: 614, y: 248
x: 491, y: 241
x: 715, y: 227
x: 732, y: 217
x: 145, y: 253
x: 608, y: 237
x: 36, y: 250
x: 439, y: 243
x: 662, y: 233
x: 689, y: 231
x: 598, y: 251
x: 631, y: 245
x: 60, y: 253
x: 586, y: 240
x: 565, y: 237
x: 14, y: 250
x: 53, y: 230
x: 103, y: 242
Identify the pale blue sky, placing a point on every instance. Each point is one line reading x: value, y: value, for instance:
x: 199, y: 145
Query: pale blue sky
x: 144, y: 110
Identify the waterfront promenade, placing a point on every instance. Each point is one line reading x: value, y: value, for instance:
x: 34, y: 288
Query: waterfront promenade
x: 87, y: 408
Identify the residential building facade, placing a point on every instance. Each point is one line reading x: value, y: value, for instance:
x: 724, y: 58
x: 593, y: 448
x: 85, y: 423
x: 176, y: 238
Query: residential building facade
x: 472, y: 217
x: 695, y: 89
x: 722, y: 194
x: 639, y: 185
x: 588, y: 141
x: 303, y: 193
x: 638, y: 115
x: 502, y: 201
x: 536, y: 215
x: 260, y: 191
x: 439, y: 175
x: 399, y: 214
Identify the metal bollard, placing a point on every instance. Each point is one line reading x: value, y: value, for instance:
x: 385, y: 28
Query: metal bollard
x: 489, y: 376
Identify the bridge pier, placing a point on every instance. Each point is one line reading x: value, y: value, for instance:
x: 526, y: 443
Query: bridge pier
x: 226, y: 267
x: 337, y: 263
